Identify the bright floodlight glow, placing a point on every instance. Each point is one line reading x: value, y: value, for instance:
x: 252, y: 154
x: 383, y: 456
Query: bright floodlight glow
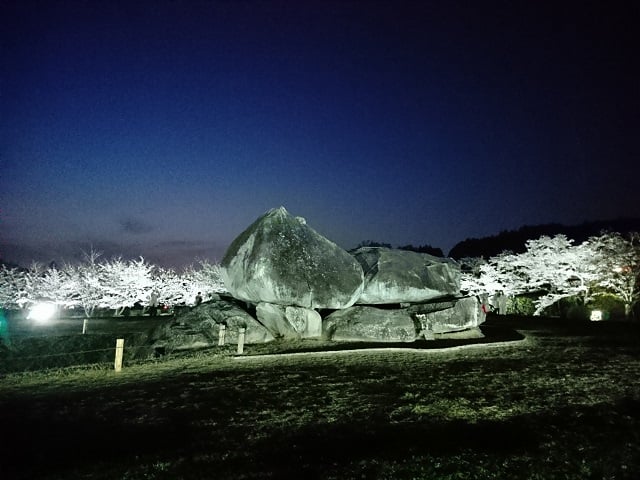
x: 42, y: 312
x: 596, y: 315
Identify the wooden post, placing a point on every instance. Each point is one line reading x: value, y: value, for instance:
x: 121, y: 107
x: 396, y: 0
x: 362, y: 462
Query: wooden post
x: 119, y: 354
x: 241, y: 341
x: 84, y: 325
x: 221, y: 334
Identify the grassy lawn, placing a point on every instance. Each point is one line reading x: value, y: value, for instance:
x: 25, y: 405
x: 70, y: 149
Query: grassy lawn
x: 562, y: 403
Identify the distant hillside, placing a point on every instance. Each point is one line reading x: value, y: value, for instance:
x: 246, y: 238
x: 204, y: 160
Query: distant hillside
x: 514, y: 240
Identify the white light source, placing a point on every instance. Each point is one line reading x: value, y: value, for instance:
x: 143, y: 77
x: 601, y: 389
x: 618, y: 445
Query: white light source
x: 596, y: 315
x: 42, y: 312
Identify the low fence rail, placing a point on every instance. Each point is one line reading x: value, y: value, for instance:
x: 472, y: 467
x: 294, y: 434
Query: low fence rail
x: 76, y: 341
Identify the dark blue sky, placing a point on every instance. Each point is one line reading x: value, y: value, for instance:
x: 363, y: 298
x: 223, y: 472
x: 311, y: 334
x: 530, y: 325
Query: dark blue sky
x: 165, y: 128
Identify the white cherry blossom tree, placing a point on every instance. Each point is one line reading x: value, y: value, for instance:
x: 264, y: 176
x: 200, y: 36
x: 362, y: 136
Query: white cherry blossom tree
x: 12, y: 286
x: 84, y: 279
x: 58, y: 286
x: 125, y: 282
x: 558, y: 267
x: 205, y: 278
x: 617, y: 260
x: 552, y: 266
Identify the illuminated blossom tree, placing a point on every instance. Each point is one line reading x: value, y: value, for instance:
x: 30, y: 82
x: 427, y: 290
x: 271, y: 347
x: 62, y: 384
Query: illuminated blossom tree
x: 550, y: 265
x: 170, y: 286
x: 12, y: 286
x: 113, y: 284
x: 555, y: 265
x: 85, y: 283
x: 470, y: 281
x: 617, y: 261
x: 23, y: 287
x: 125, y: 282
x: 57, y: 286
x: 205, y: 278
x: 181, y: 289
x: 31, y: 291
x: 498, y: 274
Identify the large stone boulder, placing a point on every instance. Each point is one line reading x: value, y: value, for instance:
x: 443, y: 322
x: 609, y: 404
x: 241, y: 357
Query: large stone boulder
x: 200, y: 327
x: 289, y: 322
x: 466, y: 313
x: 400, y: 276
x: 281, y: 260
x: 364, y: 323
x: 373, y: 324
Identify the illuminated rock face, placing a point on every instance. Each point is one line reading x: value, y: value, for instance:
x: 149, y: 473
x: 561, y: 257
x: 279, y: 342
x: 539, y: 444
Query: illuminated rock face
x: 366, y: 323
x: 464, y: 314
x: 362, y: 323
x: 200, y: 327
x: 289, y: 322
x: 399, y: 276
x: 289, y: 271
x: 280, y: 260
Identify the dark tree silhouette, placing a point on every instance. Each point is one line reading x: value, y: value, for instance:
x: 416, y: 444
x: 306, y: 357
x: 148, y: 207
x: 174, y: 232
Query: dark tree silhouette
x: 514, y: 240
x: 436, y: 252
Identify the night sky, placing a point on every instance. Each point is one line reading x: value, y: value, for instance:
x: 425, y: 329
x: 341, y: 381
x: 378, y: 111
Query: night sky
x: 163, y: 129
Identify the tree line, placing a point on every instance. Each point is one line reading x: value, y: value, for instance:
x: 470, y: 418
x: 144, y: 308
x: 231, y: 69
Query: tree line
x: 515, y: 240
x: 436, y: 252
x: 555, y: 268
x: 110, y: 284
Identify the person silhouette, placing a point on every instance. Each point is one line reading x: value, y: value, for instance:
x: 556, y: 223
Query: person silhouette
x: 153, y: 303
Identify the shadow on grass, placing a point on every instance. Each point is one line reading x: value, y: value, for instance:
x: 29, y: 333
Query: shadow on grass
x: 42, y: 450
x: 50, y: 447
x: 343, y: 442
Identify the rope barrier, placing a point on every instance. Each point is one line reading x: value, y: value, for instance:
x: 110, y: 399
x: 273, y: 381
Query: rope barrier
x: 62, y: 354
x: 119, y: 348
x: 138, y: 347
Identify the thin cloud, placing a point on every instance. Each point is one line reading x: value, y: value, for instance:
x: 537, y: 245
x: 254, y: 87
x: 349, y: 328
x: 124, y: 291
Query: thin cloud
x: 135, y: 226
